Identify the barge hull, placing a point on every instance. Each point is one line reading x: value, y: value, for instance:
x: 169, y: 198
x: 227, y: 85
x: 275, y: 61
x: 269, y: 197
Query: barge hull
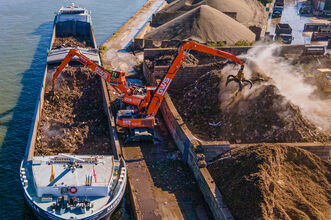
x: 55, y: 56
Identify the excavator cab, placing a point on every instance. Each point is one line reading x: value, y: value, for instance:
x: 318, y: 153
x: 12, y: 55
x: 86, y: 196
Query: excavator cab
x: 140, y: 127
x: 117, y: 76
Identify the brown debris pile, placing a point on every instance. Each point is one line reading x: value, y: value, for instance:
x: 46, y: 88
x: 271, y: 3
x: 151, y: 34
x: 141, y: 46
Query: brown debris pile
x: 274, y: 182
x: 73, y: 119
x: 72, y: 41
x: 166, y: 60
x: 261, y: 116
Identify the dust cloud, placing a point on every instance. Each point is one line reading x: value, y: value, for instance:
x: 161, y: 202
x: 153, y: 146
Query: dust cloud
x: 121, y: 61
x: 289, y: 80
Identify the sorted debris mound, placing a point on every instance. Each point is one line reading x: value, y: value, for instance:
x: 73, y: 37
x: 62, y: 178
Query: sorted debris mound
x: 274, y: 182
x: 203, y: 24
x: 215, y: 112
x: 73, y: 119
x: 72, y: 41
x: 166, y: 60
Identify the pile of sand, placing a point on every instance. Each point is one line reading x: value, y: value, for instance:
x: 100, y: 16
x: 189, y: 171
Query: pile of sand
x: 203, y: 24
x: 215, y: 112
x: 274, y: 182
x: 249, y: 12
x: 73, y: 119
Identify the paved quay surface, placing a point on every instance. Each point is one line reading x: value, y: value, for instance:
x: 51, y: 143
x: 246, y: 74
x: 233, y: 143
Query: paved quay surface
x: 115, y: 56
x: 297, y: 22
x: 163, y: 186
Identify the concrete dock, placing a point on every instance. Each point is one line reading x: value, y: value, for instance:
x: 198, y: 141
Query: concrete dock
x: 161, y: 185
x: 292, y: 17
x: 115, y: 55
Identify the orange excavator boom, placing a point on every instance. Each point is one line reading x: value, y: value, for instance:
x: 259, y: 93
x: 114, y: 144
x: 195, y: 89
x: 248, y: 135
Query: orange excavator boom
x: 132, y: 95
x: 114, y: 78
x: 162, y: 88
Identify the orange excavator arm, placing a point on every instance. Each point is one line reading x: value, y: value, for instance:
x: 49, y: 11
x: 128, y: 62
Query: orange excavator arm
x: 114, y: 78
x: 162, y: 88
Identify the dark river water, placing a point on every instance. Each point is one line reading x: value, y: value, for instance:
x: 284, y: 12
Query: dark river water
x: 25, y: 33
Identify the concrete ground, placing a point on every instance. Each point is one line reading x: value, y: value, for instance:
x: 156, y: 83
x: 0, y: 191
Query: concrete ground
x: 163, y: 186
x: 115, y: 57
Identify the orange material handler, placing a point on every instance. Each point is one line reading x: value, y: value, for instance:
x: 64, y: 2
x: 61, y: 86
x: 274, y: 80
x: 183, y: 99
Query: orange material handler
x: 146, y: 101
x: 143, y: 121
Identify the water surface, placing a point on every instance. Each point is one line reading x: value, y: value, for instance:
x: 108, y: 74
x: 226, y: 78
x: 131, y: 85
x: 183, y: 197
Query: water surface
x: 26, y: 28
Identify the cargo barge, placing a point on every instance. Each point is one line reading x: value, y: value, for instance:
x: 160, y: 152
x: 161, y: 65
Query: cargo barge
x: 59, y: 179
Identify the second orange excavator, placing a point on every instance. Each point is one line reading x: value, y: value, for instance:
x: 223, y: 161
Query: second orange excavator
x: 140, y: 119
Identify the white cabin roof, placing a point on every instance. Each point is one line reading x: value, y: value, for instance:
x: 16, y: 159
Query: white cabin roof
x: 68, y: 176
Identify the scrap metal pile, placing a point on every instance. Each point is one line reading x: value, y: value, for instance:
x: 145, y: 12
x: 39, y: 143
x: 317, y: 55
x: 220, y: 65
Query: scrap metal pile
x: 264, y: 115
x: 166, y: 60
x: 274, y: 182
x: 74, y: 42
x: 73, y: 119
